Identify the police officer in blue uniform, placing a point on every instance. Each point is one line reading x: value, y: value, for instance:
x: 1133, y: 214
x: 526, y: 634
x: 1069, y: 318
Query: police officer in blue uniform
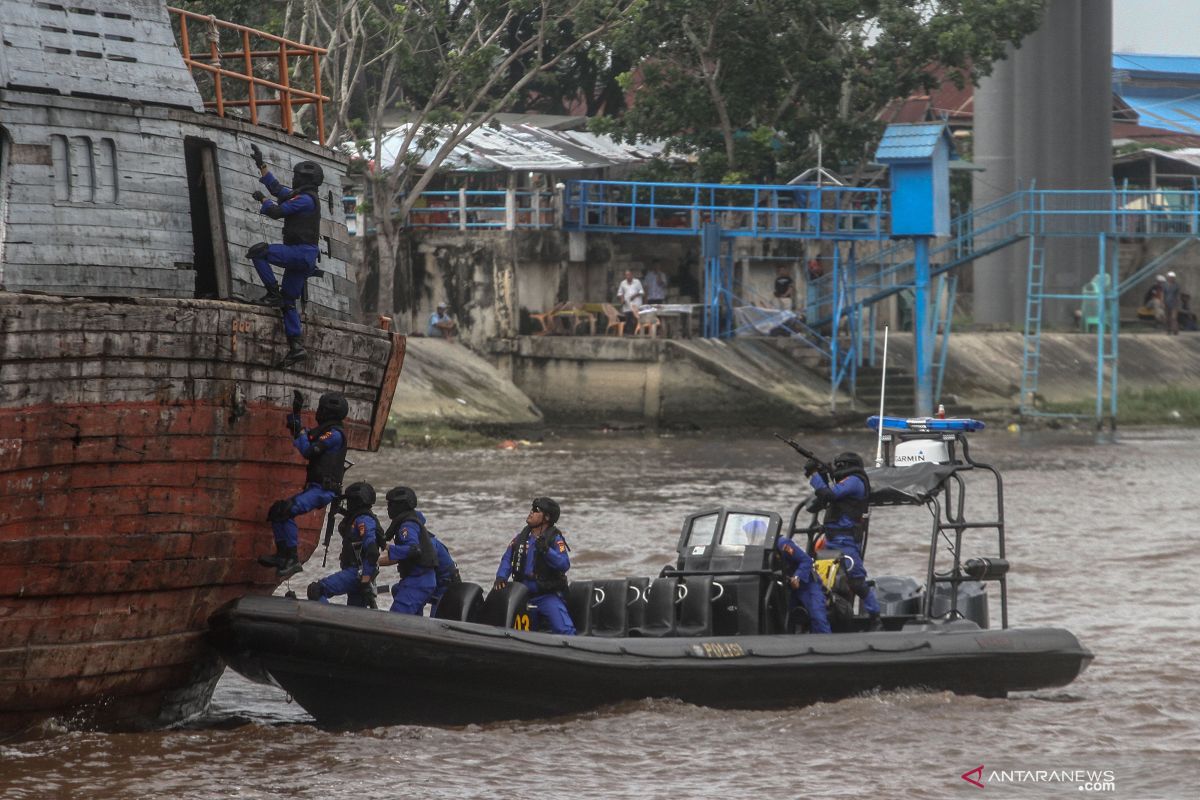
x: 325, y: 449
x: 411, y: 547
x: 538, y: 557
x: 359, y: 559
x: 299, y: 207
x: 805, y: 585
x: 845, y: 500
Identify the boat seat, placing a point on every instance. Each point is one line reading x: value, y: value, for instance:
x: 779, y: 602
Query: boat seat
x: 503, y: 605
x: 579, y: 606
x: 635, y: 608
x: 610, y: 603
x: 461, y: 602
x: 658, y: 616
x: 695, y: 608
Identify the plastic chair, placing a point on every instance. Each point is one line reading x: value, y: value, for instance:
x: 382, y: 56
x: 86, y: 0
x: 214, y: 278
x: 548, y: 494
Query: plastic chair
x: 614, y: 319
x: 648, y: 322
x: 546, y: 319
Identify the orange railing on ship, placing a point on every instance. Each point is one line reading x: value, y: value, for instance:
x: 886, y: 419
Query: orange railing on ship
x: 289, y: 97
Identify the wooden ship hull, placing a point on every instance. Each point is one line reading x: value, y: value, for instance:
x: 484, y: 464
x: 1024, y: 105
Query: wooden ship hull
x: 140, y: 444
x: 142, y: 432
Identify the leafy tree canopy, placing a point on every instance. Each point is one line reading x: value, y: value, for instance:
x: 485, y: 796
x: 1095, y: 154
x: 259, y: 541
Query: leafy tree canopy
x: 750, y: 86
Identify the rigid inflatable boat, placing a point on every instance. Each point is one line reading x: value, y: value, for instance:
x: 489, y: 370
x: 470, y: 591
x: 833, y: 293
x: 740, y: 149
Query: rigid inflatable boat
x: 714, y: 629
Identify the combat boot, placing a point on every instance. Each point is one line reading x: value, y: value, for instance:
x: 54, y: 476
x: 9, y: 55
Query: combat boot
x: 289, y: 564
x: 275, y: 560
x: 272, y: 298
x: 295, y: 354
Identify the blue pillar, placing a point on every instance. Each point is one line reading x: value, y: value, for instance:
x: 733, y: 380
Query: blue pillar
x: 922, y: 331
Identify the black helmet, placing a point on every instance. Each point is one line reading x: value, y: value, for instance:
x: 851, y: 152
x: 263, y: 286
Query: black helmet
x: 401, y: 499
x: 547, y: 507
x: 359, y: 497
x: 332, y: 407
x: 847, y: 461
x: 307, y: 173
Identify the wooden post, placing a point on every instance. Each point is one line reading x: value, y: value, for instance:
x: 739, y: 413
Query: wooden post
x: 462, y: 209
x: 285, y: 94
x: 251, y: 86
x: 510, y: 209
x: 216, y: 61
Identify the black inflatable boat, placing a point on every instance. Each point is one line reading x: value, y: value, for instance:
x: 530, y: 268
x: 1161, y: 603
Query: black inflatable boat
x: 712, y: 630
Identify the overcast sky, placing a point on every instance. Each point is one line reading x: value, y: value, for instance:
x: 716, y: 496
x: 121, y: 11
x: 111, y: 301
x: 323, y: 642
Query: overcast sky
x: 1163, y: 27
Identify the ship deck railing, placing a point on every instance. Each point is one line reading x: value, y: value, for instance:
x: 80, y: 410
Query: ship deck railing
x: 212, y: 59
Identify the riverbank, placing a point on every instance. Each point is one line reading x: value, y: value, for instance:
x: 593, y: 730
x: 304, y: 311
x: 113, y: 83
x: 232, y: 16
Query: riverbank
x: 527, y: 383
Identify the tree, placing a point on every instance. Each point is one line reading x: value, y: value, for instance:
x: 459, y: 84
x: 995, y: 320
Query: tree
x: 750, y: 87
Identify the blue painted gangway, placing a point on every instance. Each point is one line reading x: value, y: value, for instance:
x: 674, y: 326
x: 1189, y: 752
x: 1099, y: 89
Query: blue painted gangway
x: 875, y: 269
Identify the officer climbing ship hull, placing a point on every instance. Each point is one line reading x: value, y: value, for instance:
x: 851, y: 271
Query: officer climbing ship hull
x: 141, y: 412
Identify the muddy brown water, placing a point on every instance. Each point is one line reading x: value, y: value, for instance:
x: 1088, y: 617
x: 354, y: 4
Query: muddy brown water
x: 1103, y: 539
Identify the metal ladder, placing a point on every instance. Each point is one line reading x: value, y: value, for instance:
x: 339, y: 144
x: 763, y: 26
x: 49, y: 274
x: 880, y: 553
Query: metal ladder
x: 1031, y: 360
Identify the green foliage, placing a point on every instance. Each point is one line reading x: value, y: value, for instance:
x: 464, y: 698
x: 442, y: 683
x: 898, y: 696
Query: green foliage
x: 1166, y: 406
x: 748, y: 87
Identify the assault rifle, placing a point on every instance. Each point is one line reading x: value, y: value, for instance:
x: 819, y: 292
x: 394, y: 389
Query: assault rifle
x: 293, y: 420
x: 822, y: 468
x: 335, y: 508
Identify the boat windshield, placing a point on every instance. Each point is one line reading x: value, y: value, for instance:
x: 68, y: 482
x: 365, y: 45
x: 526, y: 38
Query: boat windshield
x: 746, y: 529
x: 702, y: 530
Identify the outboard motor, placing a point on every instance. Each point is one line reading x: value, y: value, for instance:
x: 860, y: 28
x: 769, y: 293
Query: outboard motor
x: 972, y: 601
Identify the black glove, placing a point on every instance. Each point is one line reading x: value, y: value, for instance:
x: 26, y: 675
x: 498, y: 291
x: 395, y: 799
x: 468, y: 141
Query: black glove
x: 542, y: 543
x: 257, y: 195
x: 814, y: 505
x: 256, y: 154
x: 811, y: 467
x: 293, y: 424
x: 824, y: 495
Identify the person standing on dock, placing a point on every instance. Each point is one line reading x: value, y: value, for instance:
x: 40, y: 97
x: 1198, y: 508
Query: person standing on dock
x: 299, y: 207
x: 630, y: 293
x: 845, y: 500
x: 325, y: 449
x: 359, y: 559
x: 1170, y: 298
x: 413, y: 550
x: 805, y: 585
x: 538, y: 557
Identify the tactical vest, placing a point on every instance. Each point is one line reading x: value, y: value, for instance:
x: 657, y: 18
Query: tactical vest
x: 303, y: 228
x: 327, y: 469
x: 427, y: 554
x: 853, y: 508
x: 548, y: 579
x: 352, y: 554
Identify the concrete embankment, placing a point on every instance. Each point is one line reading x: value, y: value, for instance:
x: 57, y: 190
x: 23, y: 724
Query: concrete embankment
x: 746, y: 382
x: 447, y: 383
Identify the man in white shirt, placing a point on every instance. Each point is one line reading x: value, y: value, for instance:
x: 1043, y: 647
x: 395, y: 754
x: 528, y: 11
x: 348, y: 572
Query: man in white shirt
x: 630, y: 294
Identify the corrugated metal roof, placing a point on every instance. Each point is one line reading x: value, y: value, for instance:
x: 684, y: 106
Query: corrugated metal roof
x: 907, y: 142
x: 510, y: 148
x: 1171, y: 108
x: 1145, y: 65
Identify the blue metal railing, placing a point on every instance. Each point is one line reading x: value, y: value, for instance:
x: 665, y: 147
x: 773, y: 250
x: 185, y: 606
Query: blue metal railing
x: 475, y: 209
x: 800, y: 212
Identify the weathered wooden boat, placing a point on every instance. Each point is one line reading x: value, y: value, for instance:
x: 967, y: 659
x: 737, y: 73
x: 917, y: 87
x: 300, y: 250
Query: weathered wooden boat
x: 141, y: 434
x: 714, y: 629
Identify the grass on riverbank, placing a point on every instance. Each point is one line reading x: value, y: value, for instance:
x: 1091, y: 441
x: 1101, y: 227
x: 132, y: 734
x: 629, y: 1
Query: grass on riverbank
x: 1169, y: 406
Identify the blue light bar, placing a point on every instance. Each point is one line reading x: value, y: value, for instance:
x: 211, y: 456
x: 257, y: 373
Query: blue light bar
x: 925, y: 424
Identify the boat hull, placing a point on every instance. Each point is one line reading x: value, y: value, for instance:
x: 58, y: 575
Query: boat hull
x: 330, y: 657
x: 141, y: 443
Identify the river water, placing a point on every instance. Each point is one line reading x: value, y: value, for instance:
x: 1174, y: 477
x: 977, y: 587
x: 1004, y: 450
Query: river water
x: 1102, y: 538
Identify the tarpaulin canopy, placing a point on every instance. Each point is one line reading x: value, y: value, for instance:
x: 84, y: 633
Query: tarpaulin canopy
x: 913, y: 484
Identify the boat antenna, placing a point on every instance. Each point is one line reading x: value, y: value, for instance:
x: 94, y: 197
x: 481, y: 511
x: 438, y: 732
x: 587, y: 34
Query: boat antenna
x: 882, y: 387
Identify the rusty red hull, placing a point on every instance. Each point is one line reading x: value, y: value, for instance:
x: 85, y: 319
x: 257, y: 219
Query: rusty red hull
x: 140, y: 446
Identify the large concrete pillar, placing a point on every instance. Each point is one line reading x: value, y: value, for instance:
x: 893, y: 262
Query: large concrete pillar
x: 1057, y: 134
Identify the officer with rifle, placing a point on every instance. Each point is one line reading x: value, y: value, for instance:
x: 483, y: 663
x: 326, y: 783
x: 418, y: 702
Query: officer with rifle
x: 324, y: 447
x: 843, y: 493
x: 299, y: 207
x: 359, y: 559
